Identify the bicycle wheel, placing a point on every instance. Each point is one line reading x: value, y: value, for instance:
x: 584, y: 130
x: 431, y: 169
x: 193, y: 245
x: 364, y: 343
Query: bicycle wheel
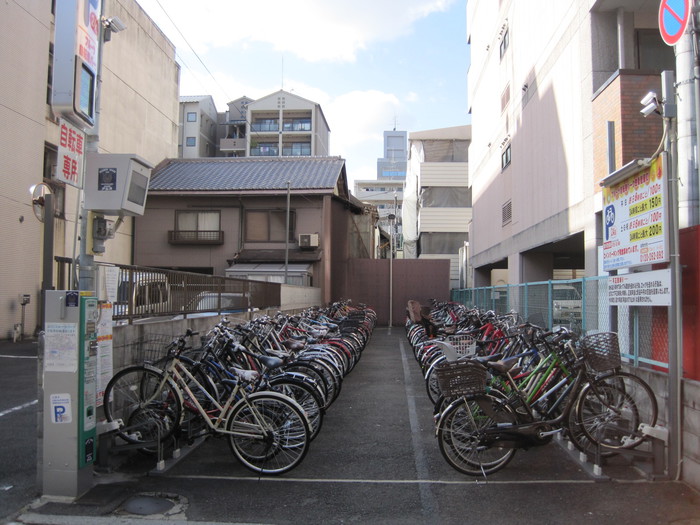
x: 149, y: 405
x: 307, y: 397
x: 608, y: 416
x: 268, y: 433
x: 461, y: 436
x: 635, y: 387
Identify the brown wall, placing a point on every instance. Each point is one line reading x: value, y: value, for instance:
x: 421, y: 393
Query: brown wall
x: 367, y: 281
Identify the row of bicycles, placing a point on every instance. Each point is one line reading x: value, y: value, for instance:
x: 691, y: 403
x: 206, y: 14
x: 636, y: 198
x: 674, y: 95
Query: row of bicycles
x: 263, y: 385
x: 499, y: 384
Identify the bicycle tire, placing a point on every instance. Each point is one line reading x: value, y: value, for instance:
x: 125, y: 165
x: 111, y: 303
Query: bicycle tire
x: 273, y: 450
x: 608, y: 416
x: 461, y: 438
x: 307, y: 397
x: 147, y: 416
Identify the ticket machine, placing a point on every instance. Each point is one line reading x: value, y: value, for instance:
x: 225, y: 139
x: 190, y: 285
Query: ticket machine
x: 69, y: 370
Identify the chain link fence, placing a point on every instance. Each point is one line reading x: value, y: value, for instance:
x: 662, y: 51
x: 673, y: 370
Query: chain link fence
x: 581, y: 305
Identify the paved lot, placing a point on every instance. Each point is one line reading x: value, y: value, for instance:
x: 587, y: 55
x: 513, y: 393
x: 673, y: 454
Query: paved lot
x: 375, y: 461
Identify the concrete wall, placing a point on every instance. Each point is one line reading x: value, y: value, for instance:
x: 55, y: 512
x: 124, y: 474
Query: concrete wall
x: 138, y: 114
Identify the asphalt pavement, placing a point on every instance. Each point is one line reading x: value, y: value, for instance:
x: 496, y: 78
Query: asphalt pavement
x: 376, y: 460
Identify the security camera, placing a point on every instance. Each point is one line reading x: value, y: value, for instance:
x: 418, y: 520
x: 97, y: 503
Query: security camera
x: 648, y: 99
x: 649, y: 109
x: 115, y: 24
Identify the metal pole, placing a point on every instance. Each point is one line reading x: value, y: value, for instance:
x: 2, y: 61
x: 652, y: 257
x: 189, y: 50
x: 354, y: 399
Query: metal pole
x: 286, y: 237
x: 391, y: 273
x: 47, y: 264
x: 675, y: 334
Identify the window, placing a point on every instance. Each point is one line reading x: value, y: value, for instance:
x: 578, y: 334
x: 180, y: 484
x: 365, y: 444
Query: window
x: 265, y: 149
x: 197, y: 227
x: 297, y: 124
x: 297, y: 149
x: 191, y: 142
x: 191, y: 116
x: 505, y: 41
x: 505, y: 157
x: 268, y: 225
x: 265, y: 124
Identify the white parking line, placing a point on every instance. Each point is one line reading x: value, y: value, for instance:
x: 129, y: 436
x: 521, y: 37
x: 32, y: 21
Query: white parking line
x: 398, y: 481
x: 20, y: 407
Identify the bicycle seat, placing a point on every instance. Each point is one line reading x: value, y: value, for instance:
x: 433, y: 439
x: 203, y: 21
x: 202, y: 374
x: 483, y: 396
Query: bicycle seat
x: 505, y: 365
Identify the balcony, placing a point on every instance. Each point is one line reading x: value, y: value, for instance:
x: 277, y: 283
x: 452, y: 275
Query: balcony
x: 232, y: 144
x: 265, y: 125
x: 195, y: 237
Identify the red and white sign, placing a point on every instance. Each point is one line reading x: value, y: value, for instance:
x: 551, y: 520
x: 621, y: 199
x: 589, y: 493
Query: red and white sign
x: 673, y: 20
x: 71, y: 154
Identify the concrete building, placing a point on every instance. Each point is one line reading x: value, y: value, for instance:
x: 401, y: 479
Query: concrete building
x: 437, y: 197
x: 393, y: 163
x: 278, y: 125
x: 386, y: 192
x: 541, y: 91
x: 198, y: 134
x: 137, y: 114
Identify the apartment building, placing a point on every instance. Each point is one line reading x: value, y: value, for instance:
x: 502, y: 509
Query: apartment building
x: 137, y: 115
x: 281, y: 124
x: 199, y: 127
x: 437, y: 197
x: 544, y: 84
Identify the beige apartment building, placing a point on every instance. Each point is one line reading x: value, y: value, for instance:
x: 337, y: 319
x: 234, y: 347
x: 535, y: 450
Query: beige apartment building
x: 545, y: 79
x: 138, y: 115
x: 280, y: 124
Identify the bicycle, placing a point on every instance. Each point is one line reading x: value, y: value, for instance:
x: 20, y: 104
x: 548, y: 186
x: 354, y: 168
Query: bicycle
x: 481, y: 429
x: 268, y: 432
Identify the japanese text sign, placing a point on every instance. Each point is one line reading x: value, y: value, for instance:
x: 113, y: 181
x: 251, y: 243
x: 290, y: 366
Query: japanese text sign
x: 634, y: 219
x: 71, y: 152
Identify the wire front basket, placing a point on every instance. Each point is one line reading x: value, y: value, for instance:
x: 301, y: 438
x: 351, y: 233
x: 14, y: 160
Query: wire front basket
x: 460, y: 378
x: 464, y: 345
x: 602, y: 351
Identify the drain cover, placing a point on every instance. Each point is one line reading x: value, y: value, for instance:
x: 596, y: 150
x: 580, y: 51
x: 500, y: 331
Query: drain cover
x: 147, y: 505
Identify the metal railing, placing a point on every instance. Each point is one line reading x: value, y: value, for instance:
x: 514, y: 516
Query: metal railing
x: 581, y: 305
x: 139, y: 292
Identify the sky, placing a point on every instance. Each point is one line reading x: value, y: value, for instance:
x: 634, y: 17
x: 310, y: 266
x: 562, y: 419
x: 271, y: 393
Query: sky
x: 372, y: 65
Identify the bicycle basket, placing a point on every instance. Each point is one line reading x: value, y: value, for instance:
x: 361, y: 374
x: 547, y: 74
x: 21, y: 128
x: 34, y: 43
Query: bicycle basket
x: 154, y: 347
x: 460, y: 378
x: 464, y: 345
x: 601, y: 351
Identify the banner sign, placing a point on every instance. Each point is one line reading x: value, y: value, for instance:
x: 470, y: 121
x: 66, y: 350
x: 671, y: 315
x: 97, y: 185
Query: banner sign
x: 634, y: 216
x: 640, y: 289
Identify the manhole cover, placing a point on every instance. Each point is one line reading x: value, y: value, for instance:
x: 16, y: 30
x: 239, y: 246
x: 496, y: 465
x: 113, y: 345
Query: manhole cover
x: 147, y: 505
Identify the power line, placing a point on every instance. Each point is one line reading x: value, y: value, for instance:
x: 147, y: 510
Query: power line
x: 193, y: 51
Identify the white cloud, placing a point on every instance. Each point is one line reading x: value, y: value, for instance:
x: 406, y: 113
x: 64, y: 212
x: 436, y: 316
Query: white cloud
x: 313, y: 30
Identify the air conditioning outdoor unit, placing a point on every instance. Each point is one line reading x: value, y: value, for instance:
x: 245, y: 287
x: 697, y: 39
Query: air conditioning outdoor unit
x: 308, y: 240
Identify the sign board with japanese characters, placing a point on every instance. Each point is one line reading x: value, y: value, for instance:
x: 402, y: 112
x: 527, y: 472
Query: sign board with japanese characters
x: 634, y: 219
x: 71, y: 153
x: 640, y: 289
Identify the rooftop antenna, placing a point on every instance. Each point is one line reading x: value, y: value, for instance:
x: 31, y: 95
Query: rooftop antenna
x: 395, y: 122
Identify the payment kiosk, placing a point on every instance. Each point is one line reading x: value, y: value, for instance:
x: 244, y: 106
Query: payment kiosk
x: 69, y: 392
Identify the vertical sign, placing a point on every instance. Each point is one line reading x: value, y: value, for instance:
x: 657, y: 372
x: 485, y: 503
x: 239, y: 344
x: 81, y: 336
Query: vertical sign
x: 634, y: 217
x: 88, y: 27
x: 71, y: 153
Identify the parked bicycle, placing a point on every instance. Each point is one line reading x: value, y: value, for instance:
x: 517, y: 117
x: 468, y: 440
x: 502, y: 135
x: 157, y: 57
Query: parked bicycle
x: 267, y: 431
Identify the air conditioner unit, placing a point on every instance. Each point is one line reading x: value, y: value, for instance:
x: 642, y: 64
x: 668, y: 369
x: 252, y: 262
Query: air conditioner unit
x: 308, y: 240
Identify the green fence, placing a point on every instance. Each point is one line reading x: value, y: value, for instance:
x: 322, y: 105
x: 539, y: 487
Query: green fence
x: 581, y: 305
